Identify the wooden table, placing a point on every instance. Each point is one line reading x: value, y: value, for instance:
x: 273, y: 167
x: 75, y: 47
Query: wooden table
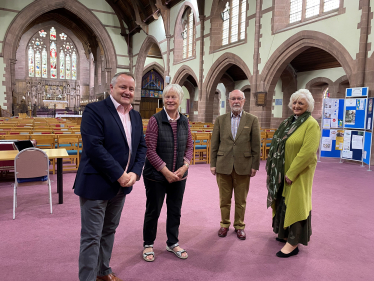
x: 56, y: 153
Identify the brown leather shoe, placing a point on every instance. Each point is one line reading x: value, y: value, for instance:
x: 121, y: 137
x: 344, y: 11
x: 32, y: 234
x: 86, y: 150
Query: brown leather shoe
x: 222, y: 232
x: 240, y: 233
x: 109, y: 277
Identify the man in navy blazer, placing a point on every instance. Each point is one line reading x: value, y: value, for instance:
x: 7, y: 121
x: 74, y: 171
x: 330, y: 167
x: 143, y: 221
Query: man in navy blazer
x: 112, y: 160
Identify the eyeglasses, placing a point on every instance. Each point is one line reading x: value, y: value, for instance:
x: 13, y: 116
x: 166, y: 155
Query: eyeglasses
x: 238, y: 99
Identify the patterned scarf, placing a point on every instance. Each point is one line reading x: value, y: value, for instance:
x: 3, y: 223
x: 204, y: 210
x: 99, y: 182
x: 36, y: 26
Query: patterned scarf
x: 275, y: 161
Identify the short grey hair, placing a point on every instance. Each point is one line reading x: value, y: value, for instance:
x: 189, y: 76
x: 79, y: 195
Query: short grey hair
x: 238, y: 91
x: 303, y: 93
x: 115, y: 77
x: 173, y: 87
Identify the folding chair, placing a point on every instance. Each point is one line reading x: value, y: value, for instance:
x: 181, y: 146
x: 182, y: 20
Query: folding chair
x: 31, y: 167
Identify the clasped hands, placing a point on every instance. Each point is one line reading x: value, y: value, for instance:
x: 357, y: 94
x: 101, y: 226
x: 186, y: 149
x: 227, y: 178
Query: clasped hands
x: 127, y: 179
x: 174, y: 176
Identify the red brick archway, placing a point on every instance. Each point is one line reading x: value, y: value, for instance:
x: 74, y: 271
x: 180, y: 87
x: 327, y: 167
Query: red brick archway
x: 142, y: 56
x: 156, y: 66
x: 181, y: 75
x: 213, y: 77
x: 295, y: 45
x: 33, y: 11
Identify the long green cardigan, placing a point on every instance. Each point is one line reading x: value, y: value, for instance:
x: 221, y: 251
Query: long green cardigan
x: 300, y: 165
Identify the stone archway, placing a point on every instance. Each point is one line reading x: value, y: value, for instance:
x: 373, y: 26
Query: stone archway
x: 33, y: 11
x: 180, y: 78
x: 182, y: 74
x: 142, y: 56
x: 317, y: 87
x: 340, y: 85
x: 223, y: 63
x: 156, y: 66
x: 247, y: 94
x: 290, y: 49
x: 294, y: 46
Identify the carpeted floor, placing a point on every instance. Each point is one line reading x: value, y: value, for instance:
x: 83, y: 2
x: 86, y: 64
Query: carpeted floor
x: 42, y: 246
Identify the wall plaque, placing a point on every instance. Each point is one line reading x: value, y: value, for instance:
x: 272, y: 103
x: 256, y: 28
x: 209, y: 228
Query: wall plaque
x: 260, y: 98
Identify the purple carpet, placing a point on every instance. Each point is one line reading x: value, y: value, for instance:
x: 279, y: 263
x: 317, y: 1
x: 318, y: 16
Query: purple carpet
x: 38, y: 245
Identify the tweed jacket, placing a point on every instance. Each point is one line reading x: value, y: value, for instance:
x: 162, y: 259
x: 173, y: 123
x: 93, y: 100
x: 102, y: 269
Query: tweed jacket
x: 241, y: 153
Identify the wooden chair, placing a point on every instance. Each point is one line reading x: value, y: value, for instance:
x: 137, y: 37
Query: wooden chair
x: 266, y: 143
x: 201, y: 147
x: 17, y: 137
x: 71, y: 143
x: 263, y: 144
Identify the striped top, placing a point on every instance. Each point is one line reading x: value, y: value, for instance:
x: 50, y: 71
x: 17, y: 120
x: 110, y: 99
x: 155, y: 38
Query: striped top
x: 151, y: 137
x: 235, y: 121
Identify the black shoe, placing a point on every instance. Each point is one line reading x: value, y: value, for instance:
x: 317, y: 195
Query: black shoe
x: 283, y: 255
x: 281, y: 240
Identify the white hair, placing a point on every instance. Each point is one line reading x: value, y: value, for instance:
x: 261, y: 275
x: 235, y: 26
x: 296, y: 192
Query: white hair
x: 173, y: 87
x: 303, y: 93
x: 237, y: 91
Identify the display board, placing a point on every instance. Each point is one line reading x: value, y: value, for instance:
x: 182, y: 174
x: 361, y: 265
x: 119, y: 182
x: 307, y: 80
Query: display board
x: 357, y: 92
x: 369, y: 114
x: 367, y: 147
x: 353, y: 146
x: 355, y: 113
x: 332, y: 128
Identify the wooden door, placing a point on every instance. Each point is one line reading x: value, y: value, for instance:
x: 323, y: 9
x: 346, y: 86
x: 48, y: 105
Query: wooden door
x: 148, y: 106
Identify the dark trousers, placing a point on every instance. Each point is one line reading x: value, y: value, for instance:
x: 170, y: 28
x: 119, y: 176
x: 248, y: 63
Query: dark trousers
x: 155, y: 192
x: 99, y: 219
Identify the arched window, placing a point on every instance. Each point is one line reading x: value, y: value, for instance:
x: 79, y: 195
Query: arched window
x: 188, y: 33
x: 233, y: 16
x: 301, y: 10
x: 62, y: 58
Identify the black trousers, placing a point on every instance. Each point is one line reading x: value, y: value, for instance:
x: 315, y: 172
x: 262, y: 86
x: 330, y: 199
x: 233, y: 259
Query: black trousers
x: 156, y: 192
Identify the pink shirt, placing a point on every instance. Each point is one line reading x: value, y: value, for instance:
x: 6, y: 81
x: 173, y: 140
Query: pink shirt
x: 124, y: 115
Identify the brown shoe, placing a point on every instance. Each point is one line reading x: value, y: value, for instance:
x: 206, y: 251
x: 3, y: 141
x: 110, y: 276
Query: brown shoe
x: 222, y: 232
x: 109, y: 277
x: 240, y: 233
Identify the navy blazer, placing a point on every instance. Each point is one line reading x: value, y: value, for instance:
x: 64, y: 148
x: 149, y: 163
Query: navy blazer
x: 105, y: 151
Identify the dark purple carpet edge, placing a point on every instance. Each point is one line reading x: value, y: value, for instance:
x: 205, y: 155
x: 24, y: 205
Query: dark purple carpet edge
x: 43, y: 246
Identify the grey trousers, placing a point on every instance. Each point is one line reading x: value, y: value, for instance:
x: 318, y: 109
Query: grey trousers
x: 99, y: 220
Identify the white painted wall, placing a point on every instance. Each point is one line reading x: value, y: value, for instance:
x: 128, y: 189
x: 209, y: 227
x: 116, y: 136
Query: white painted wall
x: 149, y: 60
x: 222, y: 89
x: 332, y: 73
x: 183, y: 105
x: 342, y: 28
x: 278, y: 94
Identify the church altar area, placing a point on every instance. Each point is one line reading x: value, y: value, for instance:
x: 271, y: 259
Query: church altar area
x: 60, y: 104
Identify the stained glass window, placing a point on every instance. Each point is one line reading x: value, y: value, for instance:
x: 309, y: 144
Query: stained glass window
x: 68, y: 67
x: 234, y: 16
x: 62, y: 65
x: 74, y: 66
x: 44, y: 64
x: 31, y: 62
x: 38, y: 70
x: 152, y: 85
x: 53, y: 60
x: 52, y: 32
x: 61, y: 61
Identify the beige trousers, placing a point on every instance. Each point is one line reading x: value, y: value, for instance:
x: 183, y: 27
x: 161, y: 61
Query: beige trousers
x: 240, y: 185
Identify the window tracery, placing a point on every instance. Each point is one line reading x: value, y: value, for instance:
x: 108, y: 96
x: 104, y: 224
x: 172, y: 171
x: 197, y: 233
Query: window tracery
x: 62, y: 58
x: 233, y: 16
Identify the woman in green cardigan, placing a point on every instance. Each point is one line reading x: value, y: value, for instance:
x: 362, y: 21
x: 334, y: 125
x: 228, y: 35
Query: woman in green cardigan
x: 290, y: 170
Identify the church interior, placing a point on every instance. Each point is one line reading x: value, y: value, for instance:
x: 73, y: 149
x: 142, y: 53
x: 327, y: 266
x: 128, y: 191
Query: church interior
x: 56, y: 57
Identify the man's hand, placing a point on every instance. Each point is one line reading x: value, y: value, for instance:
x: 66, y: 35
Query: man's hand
x: 213, y: 171
x: 170, y: 177
x: 181, y: 171
x: 124, y: 179
x: 253, y: 173
x: 288, y: 181
x: 132, y: 179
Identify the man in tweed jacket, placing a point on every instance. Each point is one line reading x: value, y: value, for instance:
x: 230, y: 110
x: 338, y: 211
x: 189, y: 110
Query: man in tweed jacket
x: 235, y: 158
